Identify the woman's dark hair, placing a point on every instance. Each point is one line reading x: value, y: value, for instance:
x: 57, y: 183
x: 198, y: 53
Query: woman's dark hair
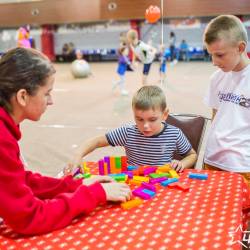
x: 22, y: 68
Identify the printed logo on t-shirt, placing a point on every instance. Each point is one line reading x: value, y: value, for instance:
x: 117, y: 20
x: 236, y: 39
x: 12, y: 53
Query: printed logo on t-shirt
x: 234, y: 98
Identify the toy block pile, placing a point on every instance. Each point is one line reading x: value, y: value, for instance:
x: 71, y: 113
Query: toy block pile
x: 143, y: 178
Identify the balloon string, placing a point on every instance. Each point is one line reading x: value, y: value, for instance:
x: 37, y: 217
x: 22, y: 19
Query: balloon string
x: 162, y: 41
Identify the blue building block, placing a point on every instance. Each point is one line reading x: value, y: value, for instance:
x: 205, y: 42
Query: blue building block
x: 130, y: 168
x: 198, y: 176
x: 172, y: 180
x: 147, y: 191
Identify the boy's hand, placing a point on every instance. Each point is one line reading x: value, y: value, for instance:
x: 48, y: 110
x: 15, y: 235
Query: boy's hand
x: 177, y: 165
x: 98, y: 178
x: 117, y: 191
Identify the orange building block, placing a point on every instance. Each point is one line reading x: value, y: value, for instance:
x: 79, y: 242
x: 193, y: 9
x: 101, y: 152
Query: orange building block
x: 112, y: 165
x: 132, y: 203
x: 165, y: 168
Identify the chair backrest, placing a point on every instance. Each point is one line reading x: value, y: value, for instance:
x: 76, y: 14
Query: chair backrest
x: 193, y: 126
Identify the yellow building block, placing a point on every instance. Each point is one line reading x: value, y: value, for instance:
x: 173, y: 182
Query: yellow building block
x: 141, y: 178
x: 132, y: 203
x: 173, y: 174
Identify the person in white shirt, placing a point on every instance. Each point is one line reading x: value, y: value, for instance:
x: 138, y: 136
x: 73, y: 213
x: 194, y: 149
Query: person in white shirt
x: 144, y: 52
x: 228, y: 145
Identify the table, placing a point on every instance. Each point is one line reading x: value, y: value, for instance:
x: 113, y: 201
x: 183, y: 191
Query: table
x: 199, y: 219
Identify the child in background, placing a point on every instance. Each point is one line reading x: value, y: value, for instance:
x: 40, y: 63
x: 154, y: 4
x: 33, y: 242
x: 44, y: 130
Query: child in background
x: 183, y: 52
x: 144, y: 52
x: 123, y: 64
x: 172, y: 42
x: 228, y: 141
x: 79, y: 54
x: 151, y: 141
x: 32, y: 203
x: 163, y: 56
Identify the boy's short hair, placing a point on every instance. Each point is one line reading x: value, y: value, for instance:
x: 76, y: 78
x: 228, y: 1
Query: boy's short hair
x: 149, y: 97
x: 132, y: 34
x: 226, y: 27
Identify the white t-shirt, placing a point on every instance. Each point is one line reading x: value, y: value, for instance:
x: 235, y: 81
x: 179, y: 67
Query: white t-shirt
x: 228, y: 145
x: 144, y: 52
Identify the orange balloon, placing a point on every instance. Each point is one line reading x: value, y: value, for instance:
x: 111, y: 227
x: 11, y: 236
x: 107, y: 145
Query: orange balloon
x: 153, y: 14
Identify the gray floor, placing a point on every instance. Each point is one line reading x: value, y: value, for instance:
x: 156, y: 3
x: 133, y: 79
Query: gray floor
x: 87, y: 107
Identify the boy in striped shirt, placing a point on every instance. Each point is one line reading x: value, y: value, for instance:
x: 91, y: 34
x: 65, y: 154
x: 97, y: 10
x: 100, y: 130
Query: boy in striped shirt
x: 150, y: 141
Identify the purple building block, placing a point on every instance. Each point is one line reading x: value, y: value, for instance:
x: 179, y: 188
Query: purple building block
x: 139, y: 193
x: 129, y: 174
x: 148, y: 186
x: 157, y: 180
x: 149, y: 170
x: 107, y: 160
x: 101, y: 167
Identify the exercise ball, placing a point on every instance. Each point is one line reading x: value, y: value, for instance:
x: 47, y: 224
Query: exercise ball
x: 80, y: 69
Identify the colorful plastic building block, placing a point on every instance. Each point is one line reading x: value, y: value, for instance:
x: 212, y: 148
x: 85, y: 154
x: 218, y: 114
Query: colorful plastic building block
x: 154, y: 175
x: 198, y: 176
x: 149, y: 170
x: 119, y: 177
x: 173, y: 173
x: 87, y: 175
x: 167, y: 182
x: 151, y: 193
x: 130, y: 168
x: 157, y: 180
x: 129, y: 174
x: 106, y: 159
x: 148, y: 186
x: 124, y: 163
x: 101, y: 167
x: 78, y: 176
x: 178, y: 185
x: 134, y: 182
x: 182, y: 186
x: 118, y: 164
x: 141, y: 178
x: 139, y: 193
x: 132, y: 203
x: 165, y: 168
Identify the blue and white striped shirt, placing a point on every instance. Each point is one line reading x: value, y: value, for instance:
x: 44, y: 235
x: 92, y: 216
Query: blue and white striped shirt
x: 156, y: 150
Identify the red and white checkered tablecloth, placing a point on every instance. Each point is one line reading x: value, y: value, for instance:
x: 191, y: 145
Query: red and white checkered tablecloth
x: 208, y: 216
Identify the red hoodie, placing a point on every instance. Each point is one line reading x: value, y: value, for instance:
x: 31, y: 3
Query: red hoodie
x: 35, y: 204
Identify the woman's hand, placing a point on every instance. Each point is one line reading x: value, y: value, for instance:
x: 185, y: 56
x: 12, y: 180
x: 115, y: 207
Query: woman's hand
x: 98, y: 178
x: 117, y: 191
x: 72, y: 165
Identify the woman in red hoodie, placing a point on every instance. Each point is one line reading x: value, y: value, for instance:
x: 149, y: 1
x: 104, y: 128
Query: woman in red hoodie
x: 32, y: 203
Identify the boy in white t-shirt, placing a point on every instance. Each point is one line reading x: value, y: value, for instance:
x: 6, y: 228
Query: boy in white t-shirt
x: 144, y: 52
x: 228, y: 145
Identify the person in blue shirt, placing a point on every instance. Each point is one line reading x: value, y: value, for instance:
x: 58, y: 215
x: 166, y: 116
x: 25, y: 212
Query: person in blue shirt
x: 163, y: 56
x: 123, y: 64
x: 184, y: 51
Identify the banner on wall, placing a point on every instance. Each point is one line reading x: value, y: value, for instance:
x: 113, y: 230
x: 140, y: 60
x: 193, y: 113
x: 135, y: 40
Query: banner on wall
x: 187, y: 23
